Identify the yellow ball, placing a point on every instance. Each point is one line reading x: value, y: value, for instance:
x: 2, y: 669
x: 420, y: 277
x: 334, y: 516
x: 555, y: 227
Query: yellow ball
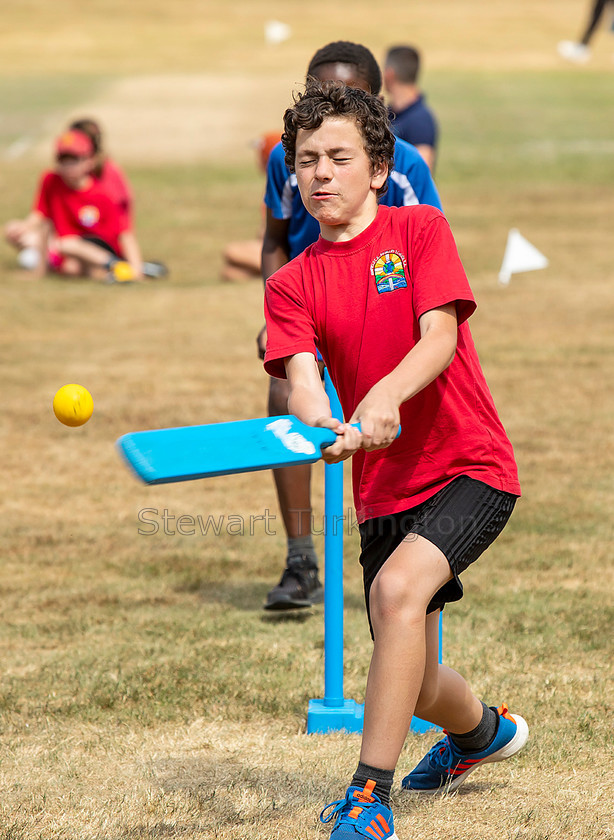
x: 123, y: 272
x: 73, y: 405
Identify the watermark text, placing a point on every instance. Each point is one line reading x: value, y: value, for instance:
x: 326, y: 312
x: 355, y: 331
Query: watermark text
x: 154, y: 521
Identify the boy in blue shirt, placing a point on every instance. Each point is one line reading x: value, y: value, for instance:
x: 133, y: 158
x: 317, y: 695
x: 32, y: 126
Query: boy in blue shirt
x: 289, y: 230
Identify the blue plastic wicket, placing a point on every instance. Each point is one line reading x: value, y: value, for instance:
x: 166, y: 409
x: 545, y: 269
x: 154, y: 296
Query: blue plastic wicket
x: 334, y: 712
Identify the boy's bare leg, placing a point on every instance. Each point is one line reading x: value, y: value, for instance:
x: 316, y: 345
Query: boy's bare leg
x: 445, y: 696
x: 237, y: 274
x: 93, y: 257
x: 72, y: 267
x: 293, y: 486
x: 446, y: 699
x: 242, y: 260
x: 399, y: 598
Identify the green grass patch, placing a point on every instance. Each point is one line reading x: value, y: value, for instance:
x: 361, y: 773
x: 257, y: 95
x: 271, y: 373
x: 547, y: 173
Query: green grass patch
x: 143, y: 691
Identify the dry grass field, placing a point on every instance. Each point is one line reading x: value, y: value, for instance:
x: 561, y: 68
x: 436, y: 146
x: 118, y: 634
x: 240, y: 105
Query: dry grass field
x: 144, y: 694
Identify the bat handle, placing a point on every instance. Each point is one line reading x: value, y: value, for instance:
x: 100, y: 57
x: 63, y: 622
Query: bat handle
x: 357, y: 426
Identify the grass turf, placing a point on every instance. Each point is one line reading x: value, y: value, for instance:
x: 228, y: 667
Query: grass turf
x: 143, y: 692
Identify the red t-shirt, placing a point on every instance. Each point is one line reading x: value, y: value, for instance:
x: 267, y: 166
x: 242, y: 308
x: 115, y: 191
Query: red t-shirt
x: 113, y: 181
x: 89, y: 212
x: 358, y: 302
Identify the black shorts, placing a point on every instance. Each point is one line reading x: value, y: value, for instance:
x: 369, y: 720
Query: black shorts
x: 462, y: 520
x: 96, y: 240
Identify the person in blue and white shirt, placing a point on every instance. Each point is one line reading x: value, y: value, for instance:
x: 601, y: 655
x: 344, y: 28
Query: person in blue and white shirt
x: 289, y: 230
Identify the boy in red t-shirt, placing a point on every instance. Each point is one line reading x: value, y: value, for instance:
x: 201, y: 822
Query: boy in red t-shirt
x: 384, y: 298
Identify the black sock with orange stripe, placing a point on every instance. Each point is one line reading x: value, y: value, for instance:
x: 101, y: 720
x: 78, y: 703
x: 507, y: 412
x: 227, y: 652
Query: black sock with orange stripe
x: 382, y: 778
x: 482, y: 736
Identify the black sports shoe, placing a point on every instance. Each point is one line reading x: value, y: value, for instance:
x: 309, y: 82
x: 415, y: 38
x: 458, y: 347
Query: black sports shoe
x: 299, y: 586
x: 154, y: 270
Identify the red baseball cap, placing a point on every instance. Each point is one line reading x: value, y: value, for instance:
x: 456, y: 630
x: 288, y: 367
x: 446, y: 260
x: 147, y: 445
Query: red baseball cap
x: 74, y: 143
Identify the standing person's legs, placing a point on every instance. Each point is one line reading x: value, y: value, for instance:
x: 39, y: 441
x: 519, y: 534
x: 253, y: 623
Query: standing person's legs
x: 595, y: 17
x: 579, y: 51
x: 299, y: 585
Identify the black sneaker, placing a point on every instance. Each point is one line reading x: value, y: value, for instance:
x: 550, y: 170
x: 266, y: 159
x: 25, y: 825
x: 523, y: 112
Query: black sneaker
x: 154, y: 270
x: 299, y: 586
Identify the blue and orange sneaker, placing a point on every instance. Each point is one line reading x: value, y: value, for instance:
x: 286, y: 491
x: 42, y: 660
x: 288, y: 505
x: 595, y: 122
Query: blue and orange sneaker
x: 360, y: 814
x: 444, y: 768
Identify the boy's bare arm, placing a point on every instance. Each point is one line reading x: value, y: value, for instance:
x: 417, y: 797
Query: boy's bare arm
x: 309, y: 402
x: 17, y: 228
x: 45, y: 229
x: 378, y: 413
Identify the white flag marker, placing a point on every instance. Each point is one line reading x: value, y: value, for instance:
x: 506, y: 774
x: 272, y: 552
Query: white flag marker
x: 520, y: 255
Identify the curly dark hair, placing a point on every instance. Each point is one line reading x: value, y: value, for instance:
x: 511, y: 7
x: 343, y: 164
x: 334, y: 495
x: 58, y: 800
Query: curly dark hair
x: 320, y: 100
x: 347, y: 52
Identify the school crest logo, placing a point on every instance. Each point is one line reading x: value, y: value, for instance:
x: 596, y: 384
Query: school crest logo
x: 389, y: 271
x: 89, y: 215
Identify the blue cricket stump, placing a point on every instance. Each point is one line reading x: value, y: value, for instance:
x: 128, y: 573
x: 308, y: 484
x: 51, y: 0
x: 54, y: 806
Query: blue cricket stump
x: 335, y: 712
